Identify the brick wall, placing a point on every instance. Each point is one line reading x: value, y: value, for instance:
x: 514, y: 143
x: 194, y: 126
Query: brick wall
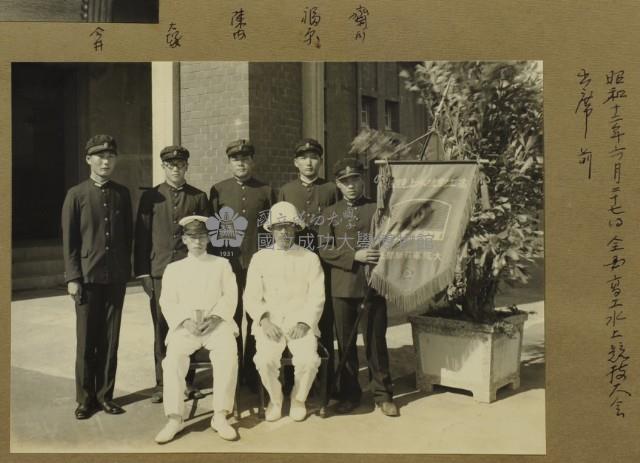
x: 214, y: 110
x: 275, y: 118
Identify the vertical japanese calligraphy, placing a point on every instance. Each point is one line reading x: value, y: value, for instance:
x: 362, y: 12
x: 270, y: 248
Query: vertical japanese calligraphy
x: 311, y: 17
x: 617, y: 358
x: 97, y: 35
x: 239, y: 23
x: 359, y: 18
x: 585, y: 104
x: 173, y: 36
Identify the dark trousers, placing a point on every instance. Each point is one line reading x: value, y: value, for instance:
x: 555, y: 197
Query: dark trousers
x: 160, y: 329
x: 374, y: 330
x: 98, y: 315
x: 247, y: 369
x: 326, y: 326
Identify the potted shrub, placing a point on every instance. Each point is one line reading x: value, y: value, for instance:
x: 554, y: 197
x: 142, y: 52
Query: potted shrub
x: 491, y: 111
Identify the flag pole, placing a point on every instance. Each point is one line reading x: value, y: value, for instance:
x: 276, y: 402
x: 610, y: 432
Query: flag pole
x: 419, y: 161
x: 436, y: 116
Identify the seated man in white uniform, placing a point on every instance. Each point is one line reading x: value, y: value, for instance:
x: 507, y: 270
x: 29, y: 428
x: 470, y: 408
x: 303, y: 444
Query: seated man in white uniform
x: 285, y: 294
x: 198, y: 300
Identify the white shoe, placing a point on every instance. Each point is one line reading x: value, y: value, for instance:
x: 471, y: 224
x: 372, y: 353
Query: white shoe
x: 220, y: 425
x: 169, y: 431
x: 274, y: 412
x: 298, y: 410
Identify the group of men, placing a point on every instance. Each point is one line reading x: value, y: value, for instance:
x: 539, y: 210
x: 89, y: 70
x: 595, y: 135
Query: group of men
x: 289, y: 294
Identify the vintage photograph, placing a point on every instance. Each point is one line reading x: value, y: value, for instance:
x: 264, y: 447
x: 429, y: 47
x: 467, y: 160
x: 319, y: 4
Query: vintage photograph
x: 102, y: 11
x: 289, y: 257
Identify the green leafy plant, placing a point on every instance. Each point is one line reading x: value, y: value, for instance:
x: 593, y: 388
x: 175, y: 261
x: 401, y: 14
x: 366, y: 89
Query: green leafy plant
x: 491, y: 112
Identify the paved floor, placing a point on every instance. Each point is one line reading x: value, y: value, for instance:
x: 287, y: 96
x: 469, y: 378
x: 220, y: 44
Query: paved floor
x: 445, y: 421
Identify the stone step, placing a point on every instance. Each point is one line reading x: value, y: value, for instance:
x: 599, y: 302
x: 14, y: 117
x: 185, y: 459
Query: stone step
x: 37, y: 282
x: 35, y: 252
x: 37, y: 267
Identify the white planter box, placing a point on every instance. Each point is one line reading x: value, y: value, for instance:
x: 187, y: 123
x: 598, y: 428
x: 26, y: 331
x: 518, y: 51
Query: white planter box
x: 477, y: 357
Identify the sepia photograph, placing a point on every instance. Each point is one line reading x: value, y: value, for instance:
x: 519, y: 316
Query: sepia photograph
x: 93, y: 11
x: 288, y: 257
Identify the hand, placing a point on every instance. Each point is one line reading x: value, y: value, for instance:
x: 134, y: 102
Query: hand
x: 272, y: 331
x: 192, y: 327
x: 298, y: 331
x: 367, y: 256
x: 209, y: 324
x: 74, y: 288
x: 147, y: 285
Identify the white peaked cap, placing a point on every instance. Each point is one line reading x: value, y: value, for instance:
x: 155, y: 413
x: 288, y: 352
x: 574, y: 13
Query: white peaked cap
x: 283, y: 212
x: 191, y: 218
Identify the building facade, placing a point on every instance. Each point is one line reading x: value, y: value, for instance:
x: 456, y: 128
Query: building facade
x: 201, y: 105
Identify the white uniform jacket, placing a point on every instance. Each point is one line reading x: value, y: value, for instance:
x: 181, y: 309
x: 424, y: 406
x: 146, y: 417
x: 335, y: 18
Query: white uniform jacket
x: 204, y: 283
x: 289, y: 285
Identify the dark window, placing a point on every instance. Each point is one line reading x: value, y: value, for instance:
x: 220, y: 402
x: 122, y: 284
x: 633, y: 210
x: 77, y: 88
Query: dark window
x: 368, y: 116
x: 391, y: 119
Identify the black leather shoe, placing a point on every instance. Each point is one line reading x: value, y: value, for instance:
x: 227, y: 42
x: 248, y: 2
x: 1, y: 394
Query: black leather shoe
x: 193, y: 393
x: 84, y: 411
x: 156, y: 398
x: 111, y: 408
x: 346, y: 406
x: 389, y: 408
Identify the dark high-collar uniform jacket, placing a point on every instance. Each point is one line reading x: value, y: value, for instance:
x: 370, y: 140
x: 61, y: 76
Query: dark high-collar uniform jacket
x: 310, y: 199
x: 158, y: 240
x: 348, y: 231
x: 97, y: 228
x: 249, y: 199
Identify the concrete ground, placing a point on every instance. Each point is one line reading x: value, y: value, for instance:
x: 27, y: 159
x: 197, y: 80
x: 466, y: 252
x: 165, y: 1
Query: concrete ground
x: 445, y: 421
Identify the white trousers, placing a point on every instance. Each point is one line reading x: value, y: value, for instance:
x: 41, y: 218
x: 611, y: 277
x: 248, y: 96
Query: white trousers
x: 223, y: 352
x: 305, y: 360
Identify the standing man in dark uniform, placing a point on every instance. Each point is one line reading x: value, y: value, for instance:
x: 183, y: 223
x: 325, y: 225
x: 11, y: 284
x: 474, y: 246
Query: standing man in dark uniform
x: 159, y: 242
x: 344, y: 245
x: 249, y: 198
x: 310, y: 194
x: 96, y: 240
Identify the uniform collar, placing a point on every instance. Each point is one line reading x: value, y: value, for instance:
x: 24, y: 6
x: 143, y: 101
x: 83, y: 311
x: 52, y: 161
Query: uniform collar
x: 172, y: 188
x: 242, y: 182
x: 201, y: 257
x: 312, y: 182
x: 356, y: 202
x: 293, y: 247
x: 97, y: 182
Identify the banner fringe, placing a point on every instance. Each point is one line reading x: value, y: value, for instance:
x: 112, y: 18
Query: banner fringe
x: 414, y: 301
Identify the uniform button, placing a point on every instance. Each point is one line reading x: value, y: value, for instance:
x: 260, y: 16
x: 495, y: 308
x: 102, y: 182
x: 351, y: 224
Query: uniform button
x: 243, y: 187
x: 308, y: 202
x: 244, y: 198
x: 175, y: 221
x: 106, y: 233
x: 106, y: 248
x: 106, y: 219
x: 85, y: 7
x: 244, y: 211
x: 105, y: 204
x: 175, y: 236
